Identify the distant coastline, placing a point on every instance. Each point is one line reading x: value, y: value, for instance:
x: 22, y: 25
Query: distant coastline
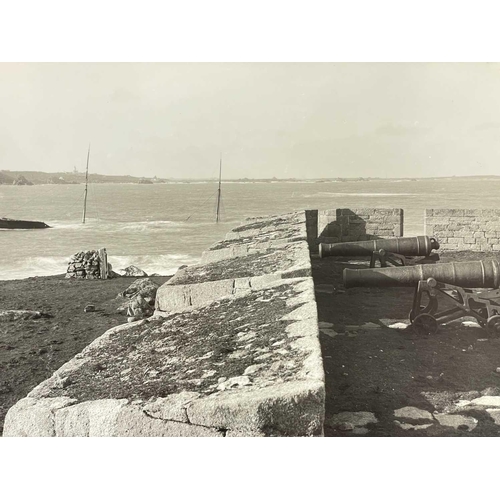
x: 23, y: 178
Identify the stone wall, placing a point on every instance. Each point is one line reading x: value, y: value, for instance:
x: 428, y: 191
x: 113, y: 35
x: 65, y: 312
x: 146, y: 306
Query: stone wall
x: 352, y: 224
x: 259, y: 234
x: 92, y: 264
x: 464, y: 229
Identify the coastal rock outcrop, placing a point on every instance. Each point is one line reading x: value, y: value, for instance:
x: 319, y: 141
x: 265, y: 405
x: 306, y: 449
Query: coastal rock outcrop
x: 22, y: 181
x: 142, y: 296
x: 132, y: 271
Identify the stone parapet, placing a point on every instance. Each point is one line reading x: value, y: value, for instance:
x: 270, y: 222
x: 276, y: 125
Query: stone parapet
x: 201, y: 284
x: 464, y: 229
x: 257, y: 235
x: 352, y: 224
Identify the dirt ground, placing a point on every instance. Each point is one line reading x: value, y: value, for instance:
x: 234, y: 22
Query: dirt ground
x: 376, y: 369
x: 31, y: 350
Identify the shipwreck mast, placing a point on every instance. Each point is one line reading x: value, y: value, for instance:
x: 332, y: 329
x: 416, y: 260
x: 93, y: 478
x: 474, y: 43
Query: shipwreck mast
x: 217, y: 217
x: 86, y: 187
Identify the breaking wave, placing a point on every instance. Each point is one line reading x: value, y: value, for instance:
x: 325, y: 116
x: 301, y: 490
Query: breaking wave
x: 107, y: 225
x: 164, y: 265
x: 359, y: 195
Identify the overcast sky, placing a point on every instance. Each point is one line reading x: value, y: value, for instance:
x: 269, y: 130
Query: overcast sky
x: 284, y: 120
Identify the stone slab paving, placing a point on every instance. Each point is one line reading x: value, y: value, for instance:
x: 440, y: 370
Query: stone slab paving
x: 451, y: 410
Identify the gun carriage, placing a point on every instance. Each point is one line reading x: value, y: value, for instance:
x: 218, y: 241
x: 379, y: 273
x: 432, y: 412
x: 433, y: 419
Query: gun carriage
x: 393, y: 250
x: 464, y: 289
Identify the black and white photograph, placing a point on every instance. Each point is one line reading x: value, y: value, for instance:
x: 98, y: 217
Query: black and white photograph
x: 249, y: 245
x: 324, y: 272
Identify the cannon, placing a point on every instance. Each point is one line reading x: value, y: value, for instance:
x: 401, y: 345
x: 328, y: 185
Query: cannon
x: 465, y: 288
x: 394, y: 250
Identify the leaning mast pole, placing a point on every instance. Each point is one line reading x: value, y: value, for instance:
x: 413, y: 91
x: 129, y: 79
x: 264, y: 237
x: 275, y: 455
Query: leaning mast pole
x: 218, y: 193
x: 86, y: 187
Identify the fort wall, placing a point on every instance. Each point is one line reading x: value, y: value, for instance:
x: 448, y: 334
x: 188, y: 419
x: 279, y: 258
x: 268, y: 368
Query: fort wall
x: 464, y: 229
x: 353, y: 224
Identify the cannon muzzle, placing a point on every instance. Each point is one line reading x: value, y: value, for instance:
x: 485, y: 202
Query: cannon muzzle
x: 473, y: 274
x: 408, y: 246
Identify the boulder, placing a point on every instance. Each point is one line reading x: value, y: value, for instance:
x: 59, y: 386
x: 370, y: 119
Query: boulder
x: 132, y: 271
x: 16, y: 315
x: 144, y: 286
x: 142, y: 295
x: 139, y: 307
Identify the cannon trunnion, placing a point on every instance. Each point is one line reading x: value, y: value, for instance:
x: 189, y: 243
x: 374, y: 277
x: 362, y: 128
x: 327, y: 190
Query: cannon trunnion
x: 394, y: 250
x: 453, y: 283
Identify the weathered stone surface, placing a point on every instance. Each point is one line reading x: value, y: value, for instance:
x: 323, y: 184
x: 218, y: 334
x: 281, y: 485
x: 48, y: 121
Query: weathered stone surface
x: 361, y: 431
x: 199, y: 285
x: 494, y: 413
x: 304, y: 328
x: 491, y: 391
x: 325, y: 324
x: 16, y: 315
x: 464, y: 229
x: 241, y: 381
x: 172, y: 407
x: 328, y: 332
x: 259, y: 235
x: 356, y: 418
x: 89, y: 419
x: 31, y: 417
x: 306, y: 311
x: 456, y: 421
x: 116, y: 418
x: 132, y: 271
x: 143, y: 286
x: 412, y: 427
x: 355, y: 224
x: 413, y: 413
x: 292, y: 409
x: 487, y: 401
x: 252, y: 369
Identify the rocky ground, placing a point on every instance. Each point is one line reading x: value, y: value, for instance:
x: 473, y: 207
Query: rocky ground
x: 386, y: 381
x: 32, y: 349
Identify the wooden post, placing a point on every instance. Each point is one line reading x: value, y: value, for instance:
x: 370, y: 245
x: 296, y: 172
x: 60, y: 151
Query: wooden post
x: 103, y: 263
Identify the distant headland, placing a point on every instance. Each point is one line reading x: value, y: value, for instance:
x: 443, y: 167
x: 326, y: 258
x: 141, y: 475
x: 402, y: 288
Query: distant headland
x: 29, y: 178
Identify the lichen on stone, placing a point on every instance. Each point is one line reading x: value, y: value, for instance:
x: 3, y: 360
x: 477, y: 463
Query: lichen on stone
x: 266, y: 262
x: 191, y: 351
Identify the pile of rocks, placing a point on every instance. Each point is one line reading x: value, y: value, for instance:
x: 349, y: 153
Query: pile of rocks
x: 142, y: 295
x: 86, y: 265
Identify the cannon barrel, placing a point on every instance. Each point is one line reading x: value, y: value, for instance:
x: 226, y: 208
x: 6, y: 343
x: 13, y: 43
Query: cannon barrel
x: 472, y: 274
x: 408, y: 246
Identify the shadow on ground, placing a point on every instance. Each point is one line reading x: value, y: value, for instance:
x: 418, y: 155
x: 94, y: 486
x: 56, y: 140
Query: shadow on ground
x: 378, y: 370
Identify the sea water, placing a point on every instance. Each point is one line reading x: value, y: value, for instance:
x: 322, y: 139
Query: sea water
x: 159, y: 227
